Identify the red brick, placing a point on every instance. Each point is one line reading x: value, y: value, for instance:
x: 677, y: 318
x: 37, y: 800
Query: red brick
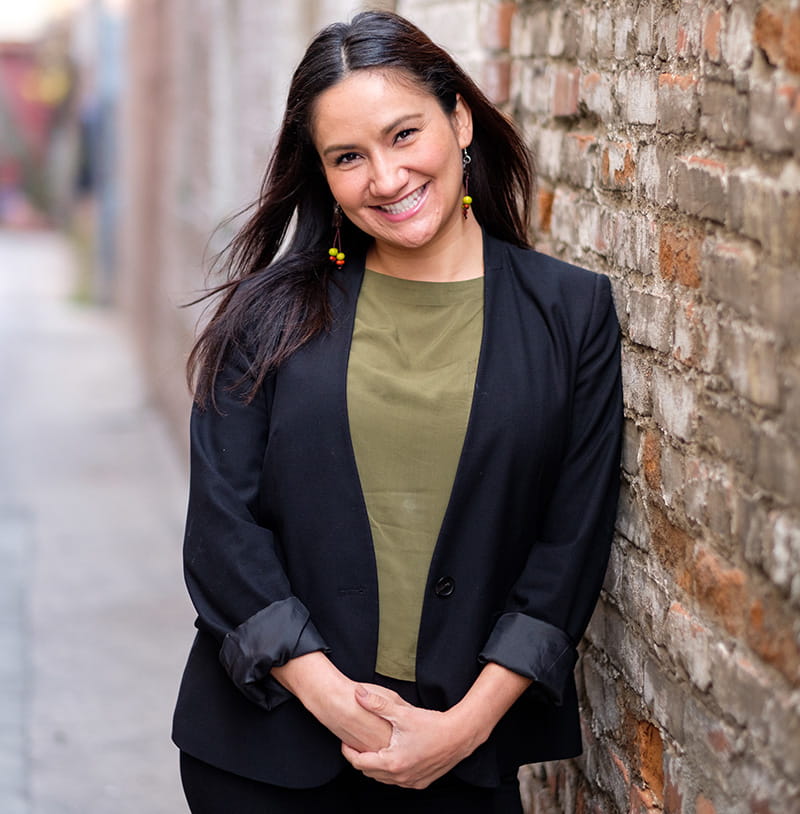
x: 650, y: 750
x: 621, y: 767
x: 684, y: 82
x: 770, y: 634
x: 702, y: 805
x: 679, y: 251
x: 552, y: 778
x: 768, y: 34
x: 720, y: 743
x: 673, y: 799
x: 545, y: 208
x: 721, y: 589
x: 761, y: 807
x: 682, y: 42
x: 672, y: 545
x: 651, y: 459
x: 712, y: 28
x: 791, y: 41
x: 496, y: 26
x: 618, y: 166
x: 566, y: 90
x: 643, y: 801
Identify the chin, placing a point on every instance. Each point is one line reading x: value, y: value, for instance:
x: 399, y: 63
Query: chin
x: 413, y: 238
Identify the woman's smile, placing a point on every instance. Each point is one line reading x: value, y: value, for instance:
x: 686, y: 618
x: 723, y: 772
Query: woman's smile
x: 405, y: 207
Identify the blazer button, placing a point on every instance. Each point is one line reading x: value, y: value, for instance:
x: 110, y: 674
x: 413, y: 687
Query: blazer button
x: 444, y: 586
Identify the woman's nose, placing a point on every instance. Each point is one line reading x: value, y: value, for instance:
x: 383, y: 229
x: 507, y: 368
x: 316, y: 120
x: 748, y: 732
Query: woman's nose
x: 387, y: 177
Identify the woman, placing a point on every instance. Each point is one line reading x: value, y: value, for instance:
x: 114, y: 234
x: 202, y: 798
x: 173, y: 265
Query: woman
x: 405, y: 451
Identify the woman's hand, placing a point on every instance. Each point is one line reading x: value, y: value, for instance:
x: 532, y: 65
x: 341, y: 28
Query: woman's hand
x: 331, y: 698
x: 424, y: 745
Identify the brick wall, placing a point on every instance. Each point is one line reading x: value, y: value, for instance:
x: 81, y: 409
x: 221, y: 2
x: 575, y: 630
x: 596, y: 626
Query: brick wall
x: 667, y: 136
x: 476, y: 32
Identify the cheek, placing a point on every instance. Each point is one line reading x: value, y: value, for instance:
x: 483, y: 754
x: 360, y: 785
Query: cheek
x: 450, y: 162
x: 345, y: 187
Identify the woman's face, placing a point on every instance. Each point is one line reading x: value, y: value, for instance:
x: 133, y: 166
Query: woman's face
x: 392, y: 157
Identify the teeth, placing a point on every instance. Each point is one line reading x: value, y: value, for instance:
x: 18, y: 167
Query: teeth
x: 403, y: 206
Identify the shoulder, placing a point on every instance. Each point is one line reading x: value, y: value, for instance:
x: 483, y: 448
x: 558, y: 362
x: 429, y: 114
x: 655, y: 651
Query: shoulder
x: 547, y: 282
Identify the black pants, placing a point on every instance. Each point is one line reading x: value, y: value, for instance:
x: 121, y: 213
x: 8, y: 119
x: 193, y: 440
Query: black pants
x: 213, y: 791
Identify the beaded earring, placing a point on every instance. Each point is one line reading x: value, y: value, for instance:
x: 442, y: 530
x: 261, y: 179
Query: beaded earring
x: 335, y: 252
x: 466, y: 201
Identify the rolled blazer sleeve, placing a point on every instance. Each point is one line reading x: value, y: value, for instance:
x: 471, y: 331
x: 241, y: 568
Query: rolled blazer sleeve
x: 552, y: 600
x: 232, y: 564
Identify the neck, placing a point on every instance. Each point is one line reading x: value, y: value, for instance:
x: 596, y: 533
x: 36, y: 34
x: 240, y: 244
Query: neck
x: 456, y: 256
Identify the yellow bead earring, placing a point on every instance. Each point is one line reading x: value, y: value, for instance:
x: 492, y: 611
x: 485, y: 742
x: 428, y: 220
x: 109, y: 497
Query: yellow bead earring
x: 335, y: 252
x: 466, y: 201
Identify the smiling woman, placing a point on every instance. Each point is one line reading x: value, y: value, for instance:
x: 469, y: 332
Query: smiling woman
x: 392, y: 158
x: 404, y: 462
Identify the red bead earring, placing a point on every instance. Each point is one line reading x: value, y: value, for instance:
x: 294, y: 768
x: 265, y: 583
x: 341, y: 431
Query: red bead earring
x: 335, y: 252
x: 466, y: 201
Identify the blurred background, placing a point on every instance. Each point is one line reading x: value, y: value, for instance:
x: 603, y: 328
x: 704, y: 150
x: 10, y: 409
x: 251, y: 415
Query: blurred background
x: 135, y: 128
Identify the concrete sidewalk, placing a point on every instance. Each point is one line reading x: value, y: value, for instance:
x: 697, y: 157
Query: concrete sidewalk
x: 96, y: 623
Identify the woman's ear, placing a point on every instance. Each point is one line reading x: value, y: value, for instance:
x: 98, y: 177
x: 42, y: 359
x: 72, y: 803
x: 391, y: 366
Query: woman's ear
x: 462, y: 122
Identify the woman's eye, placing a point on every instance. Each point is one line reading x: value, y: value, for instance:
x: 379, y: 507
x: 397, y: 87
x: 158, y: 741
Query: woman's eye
x: 346, y: 158
x: 404, y: 134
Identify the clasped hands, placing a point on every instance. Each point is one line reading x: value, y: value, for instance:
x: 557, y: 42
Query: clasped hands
x: 389, y: 739
x: 422, y: 745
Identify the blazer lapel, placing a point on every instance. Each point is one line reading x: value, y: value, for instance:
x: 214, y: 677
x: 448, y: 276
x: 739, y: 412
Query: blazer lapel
x: 506, y: 424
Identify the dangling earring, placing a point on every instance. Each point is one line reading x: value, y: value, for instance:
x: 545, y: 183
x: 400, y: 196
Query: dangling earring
x: 466, y: 201
x: 335, y: 252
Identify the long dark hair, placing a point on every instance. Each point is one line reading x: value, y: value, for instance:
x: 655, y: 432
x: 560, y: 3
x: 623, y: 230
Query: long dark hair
x: 274, y: 301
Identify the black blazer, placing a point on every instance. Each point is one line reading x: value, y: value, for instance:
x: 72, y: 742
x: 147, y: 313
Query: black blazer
x: 278, y: 550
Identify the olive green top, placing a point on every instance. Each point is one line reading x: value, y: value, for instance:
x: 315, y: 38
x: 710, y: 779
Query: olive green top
x: 410, y: 381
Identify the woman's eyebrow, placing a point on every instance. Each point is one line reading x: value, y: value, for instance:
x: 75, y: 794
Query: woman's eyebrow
x: 335, y: 148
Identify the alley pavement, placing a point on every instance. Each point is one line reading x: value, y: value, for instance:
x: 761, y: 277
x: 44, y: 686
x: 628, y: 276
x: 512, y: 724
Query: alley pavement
x: 94, y: 620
